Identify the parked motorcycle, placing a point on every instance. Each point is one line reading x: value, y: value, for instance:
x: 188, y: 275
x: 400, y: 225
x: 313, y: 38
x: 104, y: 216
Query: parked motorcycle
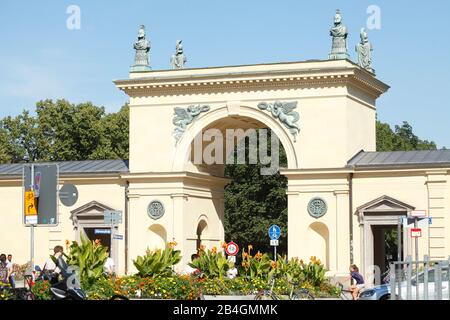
x: 69, y: 287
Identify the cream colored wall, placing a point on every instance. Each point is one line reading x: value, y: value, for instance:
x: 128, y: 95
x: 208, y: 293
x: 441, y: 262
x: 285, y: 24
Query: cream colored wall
x: 15, y: 237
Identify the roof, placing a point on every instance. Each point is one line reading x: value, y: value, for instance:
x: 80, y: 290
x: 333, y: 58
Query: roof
x: 73, y: 167
x: 424, y: 158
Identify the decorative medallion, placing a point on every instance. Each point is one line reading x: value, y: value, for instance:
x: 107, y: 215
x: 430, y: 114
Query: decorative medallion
x: 317, y: 208
x: 155, y: 209
x: 284, y: 111
x: 184, y: 117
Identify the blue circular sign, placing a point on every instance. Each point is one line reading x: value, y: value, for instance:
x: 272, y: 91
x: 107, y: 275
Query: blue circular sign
x: 274, y: 232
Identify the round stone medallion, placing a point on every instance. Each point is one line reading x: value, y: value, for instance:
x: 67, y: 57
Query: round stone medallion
x: 155, y: 209
x: 317, y: 207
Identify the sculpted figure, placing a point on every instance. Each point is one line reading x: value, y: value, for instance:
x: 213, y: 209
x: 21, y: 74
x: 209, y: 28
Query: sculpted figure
x: 142, y: 47
x: 178, y: 59
x: 284, y: 111
x: 184, y: 117
x: 339, y: 33
x: 364, y: 50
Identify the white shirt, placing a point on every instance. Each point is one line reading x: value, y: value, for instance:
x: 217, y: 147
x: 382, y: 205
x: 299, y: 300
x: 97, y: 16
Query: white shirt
x: 10, y: 266
x: 109, y: 265
x: 232, y: 273
x: 49, y: 265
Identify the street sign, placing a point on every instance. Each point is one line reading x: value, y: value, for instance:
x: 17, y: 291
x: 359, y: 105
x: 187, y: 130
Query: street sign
x: 42, y: 179
x: 232, y: 259
x: 102, y: 231
x: 418, y: 213
x: 118, y: 237
x: 112, y: 217
x: 232, y: 249
x: 68, y: 195
x: 274, y: 243
x: 30, y: 208
x: 416, y: 233
x: 274, y: 232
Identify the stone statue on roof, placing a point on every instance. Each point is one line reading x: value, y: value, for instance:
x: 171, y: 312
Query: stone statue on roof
x: 178, y: 60
x: 339, y: 34
x: 142, y: 47
x: 364, y: 50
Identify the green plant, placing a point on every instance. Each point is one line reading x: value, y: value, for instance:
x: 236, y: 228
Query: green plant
x: 158, y: 262
x: 212, y: 263
x: 89, y: 257
x: 258, y: 266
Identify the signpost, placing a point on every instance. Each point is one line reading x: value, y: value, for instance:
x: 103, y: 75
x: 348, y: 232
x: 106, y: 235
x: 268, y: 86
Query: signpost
x: 274, y: 234
x: 232, y: 250
x: 416, y: 233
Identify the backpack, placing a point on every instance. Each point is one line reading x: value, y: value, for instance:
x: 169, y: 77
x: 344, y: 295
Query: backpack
x: 3, y: 273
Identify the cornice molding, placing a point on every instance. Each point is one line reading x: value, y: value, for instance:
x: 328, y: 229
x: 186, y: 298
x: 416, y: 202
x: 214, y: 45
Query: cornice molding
x: 166, y: 83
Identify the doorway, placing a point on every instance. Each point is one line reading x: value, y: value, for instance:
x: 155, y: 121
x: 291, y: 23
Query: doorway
x: 385, y: 245
x: 101, y: 234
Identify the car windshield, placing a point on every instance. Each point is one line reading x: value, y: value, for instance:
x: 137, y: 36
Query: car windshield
x: 431, y: 275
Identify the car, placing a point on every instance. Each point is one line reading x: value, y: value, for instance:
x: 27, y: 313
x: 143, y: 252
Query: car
x: 383, y: 292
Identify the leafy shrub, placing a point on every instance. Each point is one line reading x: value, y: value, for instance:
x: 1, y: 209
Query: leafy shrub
x: 89, y: 257
x: 158, y: 262
x: 41, y: 290
x: 258, y: 266
x: 212, y: 263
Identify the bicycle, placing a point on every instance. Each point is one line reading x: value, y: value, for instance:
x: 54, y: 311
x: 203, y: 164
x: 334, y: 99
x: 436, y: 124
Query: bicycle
x: 294, y: 294
x: 346, y: 294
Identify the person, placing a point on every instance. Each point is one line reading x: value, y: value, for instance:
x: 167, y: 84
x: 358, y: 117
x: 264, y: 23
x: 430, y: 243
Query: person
x: 50, y: 266
x: 4, y: 271
x: 10, y: 266
x: 358, y: 278
x: 188, y: 270
x: 109, y: 266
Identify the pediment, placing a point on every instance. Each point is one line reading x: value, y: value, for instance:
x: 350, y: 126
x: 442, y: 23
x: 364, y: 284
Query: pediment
x: 93, y: 211
x: 383, y: 204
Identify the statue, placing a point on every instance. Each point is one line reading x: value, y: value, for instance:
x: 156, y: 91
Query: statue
x: 284, y: 111
x: 178, y: 59
x: 184, y: 117
x: 142, y: 47
x: 339, y: 34
x: 364, y: 50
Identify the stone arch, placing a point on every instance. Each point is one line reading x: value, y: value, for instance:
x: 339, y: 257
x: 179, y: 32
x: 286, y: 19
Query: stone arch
x: 182, y: 154
x: 319, y: 242
x: 158, y: 236
x: 201, y: 231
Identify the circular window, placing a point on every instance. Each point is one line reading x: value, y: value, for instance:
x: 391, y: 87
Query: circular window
x: 155, y: 209
x: 317, y: 208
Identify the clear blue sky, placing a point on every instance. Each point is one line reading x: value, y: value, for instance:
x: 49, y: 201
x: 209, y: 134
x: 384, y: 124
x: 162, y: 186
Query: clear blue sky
x: 40, y: 58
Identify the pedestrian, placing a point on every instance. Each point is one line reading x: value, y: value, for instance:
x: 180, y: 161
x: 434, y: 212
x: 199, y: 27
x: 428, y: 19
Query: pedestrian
x: 50, y: 268
x: 109, y: 266
x: 4, y: 271
x: 232, y: 272
x: 12, y: 274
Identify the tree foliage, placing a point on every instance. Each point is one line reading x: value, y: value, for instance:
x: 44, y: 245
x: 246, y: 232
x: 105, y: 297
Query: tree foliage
x: 62, y: 131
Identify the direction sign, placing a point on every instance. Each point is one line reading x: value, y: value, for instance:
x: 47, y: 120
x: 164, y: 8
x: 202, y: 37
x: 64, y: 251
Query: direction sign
x: 274, y: 232
x: 416, y: 233
x: 118, y: 236
x: 274, y: 243
x: 112, y: 217
x: 232, y: 249
x: 419, y: 213
x: 37, y: 183
x: 102, y: 231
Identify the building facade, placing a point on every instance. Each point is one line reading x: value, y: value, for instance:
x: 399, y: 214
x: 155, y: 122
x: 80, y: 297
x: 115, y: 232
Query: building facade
x: 342, y: 195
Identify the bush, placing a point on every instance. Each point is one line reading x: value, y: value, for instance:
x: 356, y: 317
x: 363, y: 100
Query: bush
x: 89, y: 258
x: 41, y: 290
x: 158, y: 262
x: 213, y: 264
x: 258, y: 266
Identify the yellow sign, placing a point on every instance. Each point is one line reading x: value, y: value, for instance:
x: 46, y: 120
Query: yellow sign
x: 30, y: 204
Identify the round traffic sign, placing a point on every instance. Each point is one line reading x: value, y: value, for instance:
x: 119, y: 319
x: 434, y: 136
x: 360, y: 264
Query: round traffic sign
x: 232, y: 249
x: 274, y: 232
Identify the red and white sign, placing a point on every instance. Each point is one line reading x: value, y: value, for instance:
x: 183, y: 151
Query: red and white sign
x: 232, y: 249
x: 416, y: 233
x: 419, y: 213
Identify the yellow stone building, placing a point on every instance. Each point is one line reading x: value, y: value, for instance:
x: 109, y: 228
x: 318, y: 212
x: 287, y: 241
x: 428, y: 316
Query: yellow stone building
x: 342, y: 195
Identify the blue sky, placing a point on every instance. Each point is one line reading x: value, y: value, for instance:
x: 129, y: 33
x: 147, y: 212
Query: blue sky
x: 40, y: 58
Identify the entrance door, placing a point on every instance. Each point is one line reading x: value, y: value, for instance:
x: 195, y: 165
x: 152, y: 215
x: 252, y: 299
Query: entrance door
x: 385, y: 245
x: 102, y: 234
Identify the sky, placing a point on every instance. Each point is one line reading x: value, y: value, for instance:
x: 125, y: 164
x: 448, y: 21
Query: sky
x: 40, y: 57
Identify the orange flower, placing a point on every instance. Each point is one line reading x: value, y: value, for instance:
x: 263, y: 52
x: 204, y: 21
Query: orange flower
x: 172, y: 244
x: 97, y: 242
x: 214, y: 250
x: 258, y: 255
x: 203, y: 247
x: 245, y: 254
x: 223, y: 244
x: 313, y: 259
x: 273, y: 264
x: 250, y: 247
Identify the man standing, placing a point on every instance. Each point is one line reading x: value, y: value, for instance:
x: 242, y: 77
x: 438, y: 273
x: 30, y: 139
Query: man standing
x: 10, y: 266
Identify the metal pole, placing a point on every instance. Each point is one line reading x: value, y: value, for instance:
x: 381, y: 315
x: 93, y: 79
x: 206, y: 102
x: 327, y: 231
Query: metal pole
x: 32, y: 225
x: 393, y: 280
x: 416, y: 248
x: 274, y: 253
x: 408, y: 277
x: 425, y: 277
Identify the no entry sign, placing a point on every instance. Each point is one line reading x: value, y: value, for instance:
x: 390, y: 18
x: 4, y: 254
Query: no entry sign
x: 419, y: 213
x: 416, y: 233
x: 232, y: 249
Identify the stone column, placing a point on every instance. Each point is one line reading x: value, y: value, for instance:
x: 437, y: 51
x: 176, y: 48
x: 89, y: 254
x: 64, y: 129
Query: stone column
x: 342, y: 231
x: 178, y: 232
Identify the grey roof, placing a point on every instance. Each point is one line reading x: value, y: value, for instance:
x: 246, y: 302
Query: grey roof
x: 73, y: 167
x: 428, y: 158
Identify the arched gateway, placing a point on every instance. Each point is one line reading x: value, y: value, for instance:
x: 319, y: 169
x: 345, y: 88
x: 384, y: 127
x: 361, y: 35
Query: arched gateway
x: 335, y: 109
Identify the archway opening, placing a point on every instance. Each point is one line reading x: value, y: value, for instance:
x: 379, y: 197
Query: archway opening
x: 319, y: 242
x: 202, y: 229
x: 158, y: 236
x: 250, y: 155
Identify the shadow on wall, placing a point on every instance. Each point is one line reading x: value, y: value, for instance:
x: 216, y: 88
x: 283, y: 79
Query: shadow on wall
x: 319, y: 242
x: 158, y: 237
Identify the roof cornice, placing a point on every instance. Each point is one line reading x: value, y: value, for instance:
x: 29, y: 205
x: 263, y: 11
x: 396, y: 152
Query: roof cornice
x: 254, y: 77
